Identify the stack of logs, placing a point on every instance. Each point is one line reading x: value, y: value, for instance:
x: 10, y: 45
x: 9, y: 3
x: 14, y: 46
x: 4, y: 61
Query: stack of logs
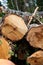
x: 14, y: 29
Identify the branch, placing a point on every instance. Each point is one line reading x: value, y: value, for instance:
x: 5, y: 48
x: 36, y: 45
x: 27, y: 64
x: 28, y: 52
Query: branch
x: 33, y: 15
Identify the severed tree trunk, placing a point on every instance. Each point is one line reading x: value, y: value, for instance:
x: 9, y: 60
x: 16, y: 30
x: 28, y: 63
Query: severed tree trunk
x: 36, y: 58
x: 35, y: 36
x: 6, y: 62
x: 14, y: 27
x: 4, y: 49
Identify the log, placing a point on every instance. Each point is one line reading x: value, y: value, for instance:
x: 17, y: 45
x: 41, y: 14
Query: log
x: 36, y: 58
x: 6, y: 62
x: 35, y: 36
x: 14, y: 27
x: 4, y: 49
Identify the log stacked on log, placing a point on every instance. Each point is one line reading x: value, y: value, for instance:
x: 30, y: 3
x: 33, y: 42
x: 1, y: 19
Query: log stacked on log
x: 36, y: 58
x: 4, y: 49
x: 14, y: 27
x: 35, y: 37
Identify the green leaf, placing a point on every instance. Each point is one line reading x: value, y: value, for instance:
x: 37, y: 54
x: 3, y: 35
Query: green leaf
x: 11, y: 52
x: 0, y: 42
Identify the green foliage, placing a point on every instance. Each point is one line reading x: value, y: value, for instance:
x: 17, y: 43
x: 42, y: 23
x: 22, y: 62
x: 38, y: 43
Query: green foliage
x: 40, y: 4
x: 10, y: 5
x: 21, y: 5
x: 2, y: 14
x: 11, y: 52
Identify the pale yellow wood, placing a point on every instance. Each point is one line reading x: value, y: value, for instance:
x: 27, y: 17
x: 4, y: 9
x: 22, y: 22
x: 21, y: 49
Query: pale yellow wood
x: 6, y: 62
x: 15, y: 24
x: 36, y: 58
x: 4, y: 49
x: 35, y: 36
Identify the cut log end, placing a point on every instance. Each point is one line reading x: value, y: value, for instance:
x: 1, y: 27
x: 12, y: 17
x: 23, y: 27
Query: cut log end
x: 36, y: 58
x: 6, y: 62
x: 14, y: 27
x: 35, y: 37
x: 4, y: 49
